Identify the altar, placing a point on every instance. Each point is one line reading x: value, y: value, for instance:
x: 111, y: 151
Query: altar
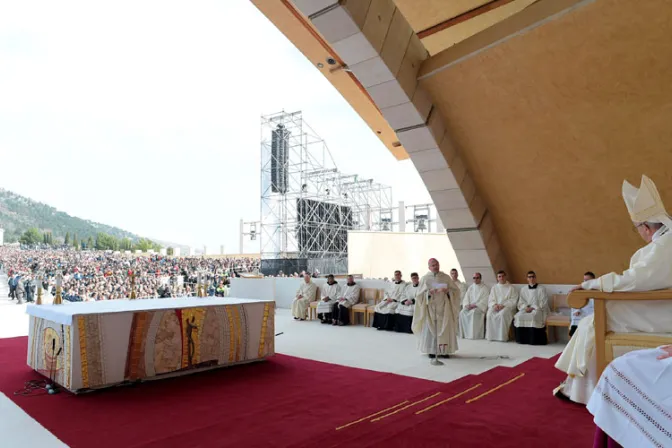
x: 92, y: 345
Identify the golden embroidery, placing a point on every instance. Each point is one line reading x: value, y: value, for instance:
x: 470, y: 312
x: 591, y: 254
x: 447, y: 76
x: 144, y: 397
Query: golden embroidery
x: 264, y: 324
x: 82, y: 351
x: 68, y: 355
x: 232, y: 338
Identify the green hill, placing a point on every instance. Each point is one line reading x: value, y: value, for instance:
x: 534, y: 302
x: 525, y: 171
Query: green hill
x: 18, y: 214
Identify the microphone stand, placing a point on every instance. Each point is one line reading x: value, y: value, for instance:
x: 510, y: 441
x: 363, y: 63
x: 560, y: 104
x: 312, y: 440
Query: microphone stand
x: 52, y: 388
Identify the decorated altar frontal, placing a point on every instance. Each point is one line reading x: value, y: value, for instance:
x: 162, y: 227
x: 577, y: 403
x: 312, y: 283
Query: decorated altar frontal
x: 92, y: 345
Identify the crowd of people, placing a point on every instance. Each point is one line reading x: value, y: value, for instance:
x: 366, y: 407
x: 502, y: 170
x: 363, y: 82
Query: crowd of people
x: 101, y: 275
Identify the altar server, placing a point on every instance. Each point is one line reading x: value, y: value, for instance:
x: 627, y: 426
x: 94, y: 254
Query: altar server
x: 385, y: 311
x: 437, y: 305
x: 474, y: 307
x: 325, y: 306
x: 349, y: 296
x: 530, y: 320
x: 632, y: 401
x: 578, y: 314
x: 403, y: 320
x: 305, y: 294
x: 650, y: 269
x: 462, y: 286
x: 501, y: 307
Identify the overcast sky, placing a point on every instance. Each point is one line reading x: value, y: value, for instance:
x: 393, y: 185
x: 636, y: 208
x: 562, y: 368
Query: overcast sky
x: 145, y: 114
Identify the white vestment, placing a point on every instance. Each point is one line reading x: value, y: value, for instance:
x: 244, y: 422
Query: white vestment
x: 498, y: 323
x: 330, y: 292
x: 395, y: 293
x: 351, y: 295
x: 537, y: 299
x: 435, y: 316
x: 632, y: 403
x: 650, y: 269
x: 462, y: 287
x: 472, y: 322
x: 409, y: 294
x: 304, y: 296
x: 586, y: 311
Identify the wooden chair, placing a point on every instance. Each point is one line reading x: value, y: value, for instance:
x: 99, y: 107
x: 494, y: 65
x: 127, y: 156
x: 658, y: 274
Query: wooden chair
x: 367, y: 296
x: 371, y: 309
x: 558, y: 305
x: 312, y: 309
x: 606, y: 340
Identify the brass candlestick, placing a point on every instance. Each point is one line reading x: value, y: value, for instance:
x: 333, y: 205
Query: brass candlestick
x: 133, y: 294
x: 38, y: 301
x: 58, y: 300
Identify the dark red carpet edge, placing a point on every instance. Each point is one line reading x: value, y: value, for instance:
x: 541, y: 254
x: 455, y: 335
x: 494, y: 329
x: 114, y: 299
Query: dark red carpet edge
x: 279, y: 402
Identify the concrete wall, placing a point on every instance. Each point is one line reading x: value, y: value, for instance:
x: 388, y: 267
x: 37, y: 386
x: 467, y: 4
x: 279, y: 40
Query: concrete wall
x: 379, y: 254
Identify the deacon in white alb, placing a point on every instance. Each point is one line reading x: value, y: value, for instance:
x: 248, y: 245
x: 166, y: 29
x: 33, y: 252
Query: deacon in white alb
x: 403, y: 321
x: 385, y: 311
x: 304, y: 296
x: 632, y: 403
x: 325, y: 307
x: 578, y: 314
x: 437, y: 305
x: 530, y: 320
x: 349, y: 296
x: 501, y: 308
x: 474, y: 307
x: 650, y: 269
x: 462, y: 286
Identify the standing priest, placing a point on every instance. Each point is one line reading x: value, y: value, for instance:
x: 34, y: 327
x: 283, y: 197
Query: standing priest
x: 530, y: 320
x: 501, y: 307
x: 435, y: 317
x: 383, y: 318
x: 304, y: 296
x: 650, y: 269
x: 474, y: 307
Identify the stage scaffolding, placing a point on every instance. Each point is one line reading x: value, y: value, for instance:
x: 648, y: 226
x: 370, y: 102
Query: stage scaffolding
x: 307, y: 204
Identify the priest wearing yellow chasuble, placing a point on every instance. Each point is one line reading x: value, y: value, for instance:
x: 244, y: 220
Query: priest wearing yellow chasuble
x: 437, y: 306
x: 650, y: 269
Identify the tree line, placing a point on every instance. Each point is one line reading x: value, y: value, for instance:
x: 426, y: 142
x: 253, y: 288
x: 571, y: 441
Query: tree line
x: 102, y: 241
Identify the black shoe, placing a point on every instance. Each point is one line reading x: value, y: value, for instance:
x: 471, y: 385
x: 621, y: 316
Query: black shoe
x: 444, y: 356
x: 431, y: 356
x: 380, y: 328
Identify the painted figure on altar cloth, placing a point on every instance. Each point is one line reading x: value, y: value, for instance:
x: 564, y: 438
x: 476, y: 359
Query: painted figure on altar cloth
x: 52, y: 348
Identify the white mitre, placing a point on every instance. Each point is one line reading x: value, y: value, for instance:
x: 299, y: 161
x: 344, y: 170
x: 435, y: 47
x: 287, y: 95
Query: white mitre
x: 644, y: 203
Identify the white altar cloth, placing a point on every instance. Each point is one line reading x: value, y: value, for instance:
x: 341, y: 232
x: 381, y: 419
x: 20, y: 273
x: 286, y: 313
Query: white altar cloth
x: 63, y: 314
x: 91, y: 345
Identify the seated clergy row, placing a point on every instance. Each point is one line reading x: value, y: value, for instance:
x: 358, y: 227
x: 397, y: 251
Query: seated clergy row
x: 489, y: 312
x: 335, y: 302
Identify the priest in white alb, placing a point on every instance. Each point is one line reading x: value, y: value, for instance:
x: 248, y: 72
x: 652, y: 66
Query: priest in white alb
x: 328, y: 297
x: 502, y: 304
x: 530, y: 320
x: 437, y: 305
x: 385, y: 311
x: 305, y: 294
x: 474, y: 307
x: 650, y: 269
x: 462, y: 286
x: 403, y: 320
x: 349, y: 296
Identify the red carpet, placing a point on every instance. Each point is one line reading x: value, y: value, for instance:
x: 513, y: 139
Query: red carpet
x: 289, y: 401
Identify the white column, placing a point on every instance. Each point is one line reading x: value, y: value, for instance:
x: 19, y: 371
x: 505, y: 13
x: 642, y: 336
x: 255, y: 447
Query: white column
x: 242, y: 231
x: 402, y: 216
x: 2, y: 237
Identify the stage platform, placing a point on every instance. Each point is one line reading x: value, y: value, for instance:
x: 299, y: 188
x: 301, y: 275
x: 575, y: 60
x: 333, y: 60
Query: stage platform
x: 94, y: 345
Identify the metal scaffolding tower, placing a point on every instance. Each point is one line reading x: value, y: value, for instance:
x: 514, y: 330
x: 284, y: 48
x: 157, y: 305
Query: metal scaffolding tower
x: 307, y: 204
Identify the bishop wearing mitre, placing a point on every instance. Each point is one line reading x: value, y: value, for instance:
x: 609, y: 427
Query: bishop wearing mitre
x: 437, y: 305
x: 650, y: 269
x: 304, y: 296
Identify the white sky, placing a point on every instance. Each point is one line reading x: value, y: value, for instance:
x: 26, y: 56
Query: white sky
x: 145, y: 114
